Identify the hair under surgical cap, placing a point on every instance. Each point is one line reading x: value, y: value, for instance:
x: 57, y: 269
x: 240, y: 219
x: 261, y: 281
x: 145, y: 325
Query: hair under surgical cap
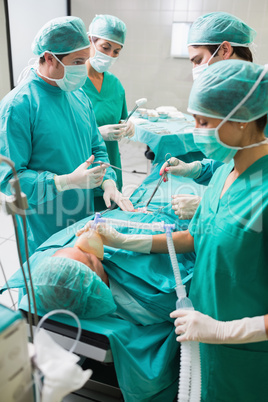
x: 63, y: 283
x: 215, y: 28
x: 61, y: 35
x: 108, y: 27
x: 223, y: 85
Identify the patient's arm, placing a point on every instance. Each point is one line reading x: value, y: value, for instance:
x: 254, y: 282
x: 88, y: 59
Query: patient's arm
x: 183, y: 242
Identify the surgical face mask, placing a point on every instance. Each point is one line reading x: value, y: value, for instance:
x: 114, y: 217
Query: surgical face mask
x: 210, y: 144
x: 208, y: 139
x: 101, y: 62
x: 196, y: 71
x: 207, y: 142
x: 74, y: 76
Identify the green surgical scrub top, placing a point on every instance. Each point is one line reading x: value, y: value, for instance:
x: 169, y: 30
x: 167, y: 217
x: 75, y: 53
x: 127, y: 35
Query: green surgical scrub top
x: 47, y: 131
x: 230, y: 279
x: 110, y: 107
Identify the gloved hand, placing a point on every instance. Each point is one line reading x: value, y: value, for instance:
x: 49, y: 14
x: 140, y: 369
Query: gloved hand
x: 179, y: 168
x: 111, y: 193
x: 130, y: 129
x: 81, y: 177
x: 110, y: 237
x: 185, y: 205
x: 113, y: 132
x: 195, y: 326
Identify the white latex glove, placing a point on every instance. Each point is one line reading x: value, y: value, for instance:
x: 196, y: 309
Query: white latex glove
x: 195, y: 326
x: 112, y: 238
x: 81, y: 177
x: 130, y: 129
x: 185, y: 205
x: 112, y: 194
x: 61, y: 373
x: 113, y: 132
x: 179, y: 168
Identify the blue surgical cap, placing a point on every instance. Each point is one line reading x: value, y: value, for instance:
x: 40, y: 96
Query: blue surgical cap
x: 60, y: 36
x: 63, y: 283
x: 108, y: 27
x: 215, y: 28
x: 223, y: 85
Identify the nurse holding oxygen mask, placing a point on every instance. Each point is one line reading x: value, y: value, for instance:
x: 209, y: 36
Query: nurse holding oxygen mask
x: 229, y: 234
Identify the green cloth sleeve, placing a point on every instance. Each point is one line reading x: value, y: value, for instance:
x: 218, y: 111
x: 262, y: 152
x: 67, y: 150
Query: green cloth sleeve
x: 16, y: 144
x: 99, y: 149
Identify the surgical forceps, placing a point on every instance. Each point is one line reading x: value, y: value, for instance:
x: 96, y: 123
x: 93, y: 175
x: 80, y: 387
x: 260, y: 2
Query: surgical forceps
x: 159, y: 181
x: 106, y: 164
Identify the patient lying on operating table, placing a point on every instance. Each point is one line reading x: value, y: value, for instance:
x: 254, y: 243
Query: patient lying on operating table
x: 145, y: 356
x: 73, y: 278
x: 148, y: 278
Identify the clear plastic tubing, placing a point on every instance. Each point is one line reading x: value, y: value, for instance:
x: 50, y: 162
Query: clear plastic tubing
x: 154, y: 226
x: 190, y: 373
x: 61, y: 311
x: 196, y: 373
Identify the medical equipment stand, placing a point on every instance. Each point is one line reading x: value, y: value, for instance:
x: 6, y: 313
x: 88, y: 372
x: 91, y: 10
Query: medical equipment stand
x: 95, y: 350
x: 15, y: 366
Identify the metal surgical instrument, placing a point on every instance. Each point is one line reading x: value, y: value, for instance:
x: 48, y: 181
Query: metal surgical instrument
x: 106, y: 164
x: 139, y: 103
x: 159, y: 181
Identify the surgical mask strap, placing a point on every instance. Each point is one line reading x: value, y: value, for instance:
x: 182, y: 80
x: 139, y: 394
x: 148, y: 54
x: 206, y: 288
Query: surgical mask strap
x: 32, y: 63
x: 93, y: 45
x: 198, y: 69
x: 246, y: 97
x: 213, y: 55
x: 57, y: 59
x: 98, y: 51
x: 53, y: 79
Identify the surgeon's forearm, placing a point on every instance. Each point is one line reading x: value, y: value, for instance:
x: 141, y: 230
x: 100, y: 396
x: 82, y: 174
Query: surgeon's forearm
x: 266, y: 324
x: 183, y: 242
x: 39, y: 187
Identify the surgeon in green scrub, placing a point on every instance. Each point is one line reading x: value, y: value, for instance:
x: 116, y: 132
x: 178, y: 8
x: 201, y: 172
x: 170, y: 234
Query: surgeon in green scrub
x: 107, y: 37
x: 48, y: 129
x: 229, y: 233
x: 212, y: 37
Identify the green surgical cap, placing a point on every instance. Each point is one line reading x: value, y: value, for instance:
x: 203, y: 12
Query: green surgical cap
x: 215, y: 28
x: 223, y: 85
x: 63, y: 283
x: 61, y: 35
x: 108, y: 27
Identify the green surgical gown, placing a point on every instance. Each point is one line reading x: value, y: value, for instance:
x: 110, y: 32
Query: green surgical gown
x: 110, y: 107
x: 230, y: 279
x: 46, y: 131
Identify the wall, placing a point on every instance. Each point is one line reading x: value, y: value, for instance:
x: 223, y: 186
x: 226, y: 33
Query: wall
x: 4, y: 72
x: 145, y: 67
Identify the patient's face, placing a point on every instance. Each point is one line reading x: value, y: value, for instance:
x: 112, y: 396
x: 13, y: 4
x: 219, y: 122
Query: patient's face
x: 90, y: 260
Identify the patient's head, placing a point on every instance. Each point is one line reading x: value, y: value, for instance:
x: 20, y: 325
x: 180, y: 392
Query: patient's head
x: 65, y: 282
x: 89, y: 259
